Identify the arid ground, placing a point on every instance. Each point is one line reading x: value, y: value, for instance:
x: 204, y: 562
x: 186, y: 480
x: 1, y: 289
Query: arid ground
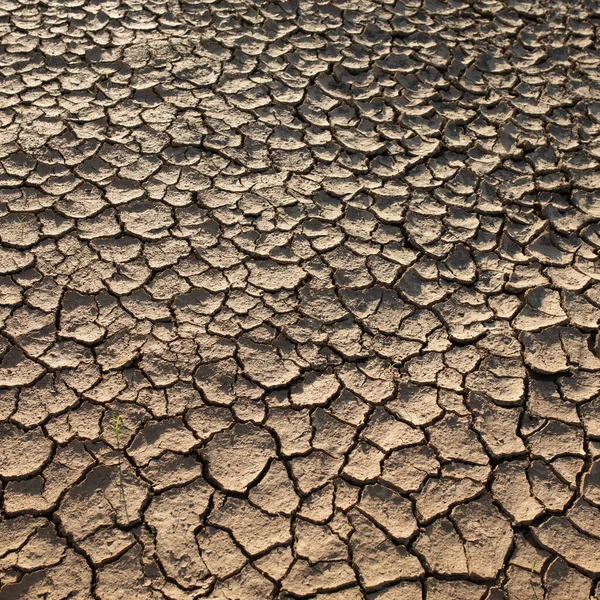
x: 299, y: 300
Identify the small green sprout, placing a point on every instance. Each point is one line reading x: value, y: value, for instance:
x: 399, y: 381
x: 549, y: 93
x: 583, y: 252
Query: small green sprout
x: 22, y: 219
x: 117, y: 422
x: 533, y: 567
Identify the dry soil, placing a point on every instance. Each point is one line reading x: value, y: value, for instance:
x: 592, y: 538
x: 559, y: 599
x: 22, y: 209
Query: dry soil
x: 299, y: 300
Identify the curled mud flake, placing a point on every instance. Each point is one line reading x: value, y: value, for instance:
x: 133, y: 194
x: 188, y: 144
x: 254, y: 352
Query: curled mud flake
x: 108, y: 495
x: 304, y: 578
x: 559, y: 535
x: 252, y: 529
x: 155, y: 438
x: 17, y: 370
x: 237, y: 457
x: 487, y: 536
x: 264, y: 365
x: 389, y: 510
x: 378, y: 560
x: 442, y: 549
x: 175, y: 516
x: 72, y: 576
x: 22, y: 453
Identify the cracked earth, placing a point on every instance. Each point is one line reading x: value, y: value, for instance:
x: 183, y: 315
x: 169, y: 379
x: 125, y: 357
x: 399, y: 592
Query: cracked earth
x: 299, y: 300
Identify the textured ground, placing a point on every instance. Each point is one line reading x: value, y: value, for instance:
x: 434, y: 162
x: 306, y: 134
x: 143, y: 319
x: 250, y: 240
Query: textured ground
x: 299, y: 300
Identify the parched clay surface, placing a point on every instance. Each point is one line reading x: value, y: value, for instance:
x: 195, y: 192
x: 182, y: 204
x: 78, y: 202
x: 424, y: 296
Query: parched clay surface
x: 299, y: 300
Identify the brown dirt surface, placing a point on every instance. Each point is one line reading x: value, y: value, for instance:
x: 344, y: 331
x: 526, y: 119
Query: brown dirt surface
x: 299, y: 300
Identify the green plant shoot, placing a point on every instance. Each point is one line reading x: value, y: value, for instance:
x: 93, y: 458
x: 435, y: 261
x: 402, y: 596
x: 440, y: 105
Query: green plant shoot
x: 117, y: 422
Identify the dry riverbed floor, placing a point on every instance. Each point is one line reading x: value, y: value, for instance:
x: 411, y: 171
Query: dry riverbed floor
x: 299, y: 300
